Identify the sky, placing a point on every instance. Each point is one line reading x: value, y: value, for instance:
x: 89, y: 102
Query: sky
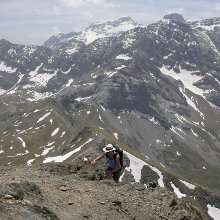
x: 34, y: 21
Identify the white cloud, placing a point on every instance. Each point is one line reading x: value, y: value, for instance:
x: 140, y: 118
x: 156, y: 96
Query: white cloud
x: 73, y: 3
x: 176, y: 10
x: 217, y: 6
x: 88, y: 14
x: 79, y: 3
x: 56, y: 10
x: 149, y: 1
x: 111, y: 5
x: 96, y: 2
x: 55, y: 31
x: 28, y: 22
x: 45, y: 34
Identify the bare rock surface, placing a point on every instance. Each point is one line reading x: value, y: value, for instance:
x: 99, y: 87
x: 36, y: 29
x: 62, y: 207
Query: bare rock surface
x: 41, y: 193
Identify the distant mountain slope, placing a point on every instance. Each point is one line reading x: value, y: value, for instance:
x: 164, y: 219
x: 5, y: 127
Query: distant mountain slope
x: 154, y: 89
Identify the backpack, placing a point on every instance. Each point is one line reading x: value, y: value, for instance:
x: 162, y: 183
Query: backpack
x: 119, y: 151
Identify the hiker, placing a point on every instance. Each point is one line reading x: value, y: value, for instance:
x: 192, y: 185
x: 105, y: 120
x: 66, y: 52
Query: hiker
x: 114, y: 165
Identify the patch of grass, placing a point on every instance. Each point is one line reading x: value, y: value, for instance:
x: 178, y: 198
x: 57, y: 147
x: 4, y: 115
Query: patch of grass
x: 209, y: 178
x: 192, y: 168
x: 194, y: 208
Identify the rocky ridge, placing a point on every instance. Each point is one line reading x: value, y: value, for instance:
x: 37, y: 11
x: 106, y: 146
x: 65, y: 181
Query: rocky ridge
x: 57, y: 192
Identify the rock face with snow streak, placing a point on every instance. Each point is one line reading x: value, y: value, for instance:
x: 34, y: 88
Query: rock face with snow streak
x: 156, y: 87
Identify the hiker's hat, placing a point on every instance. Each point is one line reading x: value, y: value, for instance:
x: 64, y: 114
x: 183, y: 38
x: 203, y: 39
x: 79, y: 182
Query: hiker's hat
x: 108, y: 148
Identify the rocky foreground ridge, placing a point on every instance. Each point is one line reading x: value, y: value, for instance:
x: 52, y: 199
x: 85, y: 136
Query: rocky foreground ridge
x: 65, y: 192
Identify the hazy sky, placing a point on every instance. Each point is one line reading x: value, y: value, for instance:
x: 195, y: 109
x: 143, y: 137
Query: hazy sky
x: 34, y: 21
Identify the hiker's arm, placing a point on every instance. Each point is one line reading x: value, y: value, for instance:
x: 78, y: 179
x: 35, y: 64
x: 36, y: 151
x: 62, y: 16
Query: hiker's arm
x: 118, y: 165
x: 98, y: 158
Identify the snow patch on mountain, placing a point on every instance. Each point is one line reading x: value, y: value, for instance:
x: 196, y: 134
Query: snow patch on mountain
x: 123, y: 57
x: 116, y: 135
x: 16, y: 85
x: 108, y: 29
x: 93, y: 75
x: 61, y: 158
x: 110, y: 73
x: 35, y: 96
x: 42, y: 79
x: 153, y: 120
x: 103, y: 108
x: 120, y: 67
x: 5, y: 68
x: 213, y: 212
x: 101, y: 119
x: 191, y: 186
x: 194, y: 133
x: 128, y: 42
x: 42, y: 118
x: 72, y: 50
x: 46, y: 151
x: 22, y: 141
x: 177, y: 191
x: 191, y: 103
x: 176, y: 132
x: 92, y: 33
x: 88, y: 36
x: 12, y: 52
x: 29, y: 49
x: 69, y: 82
x: 29, y: 162
x: 63, y: 134
x: 2, y: 91
x: 80, y: 99
x: 188, y: 78
x: 55, y: 132
x: 136, y: 166
x: 35, y: 72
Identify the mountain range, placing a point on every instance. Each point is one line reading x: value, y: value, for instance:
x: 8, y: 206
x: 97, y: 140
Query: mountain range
x: 152, y: 90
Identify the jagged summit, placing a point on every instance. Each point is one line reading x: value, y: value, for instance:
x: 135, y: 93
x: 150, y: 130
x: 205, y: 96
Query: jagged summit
x: 106, y: 29
x: 4, y: 42
x: 115, y: 21
x: 93, y: 32
x: 210, y: 24
x: 175, y: 17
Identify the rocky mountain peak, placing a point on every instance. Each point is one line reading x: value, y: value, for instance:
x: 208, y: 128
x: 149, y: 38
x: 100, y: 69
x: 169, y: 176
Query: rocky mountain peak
x: 115, y: 22
x: 211, y: 21
x: 175, y: 17
x: 126, y: 18
x: 211, y: 24
x: 4, y: 42
x: 93, y: 32
x: 107, y: 29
